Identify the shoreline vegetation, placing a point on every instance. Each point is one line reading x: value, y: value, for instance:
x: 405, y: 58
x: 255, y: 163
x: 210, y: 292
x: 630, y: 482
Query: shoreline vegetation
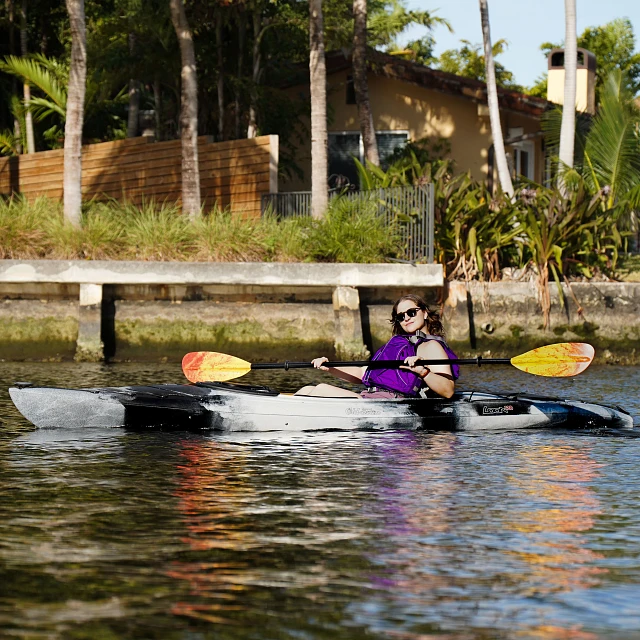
x: 349, y: 233
x: 160, y: 232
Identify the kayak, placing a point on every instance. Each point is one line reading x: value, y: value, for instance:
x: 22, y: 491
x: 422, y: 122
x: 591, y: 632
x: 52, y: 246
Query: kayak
x: 228, y: 407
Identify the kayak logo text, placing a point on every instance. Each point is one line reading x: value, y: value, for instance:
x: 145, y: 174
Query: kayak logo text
x: 489, y: 411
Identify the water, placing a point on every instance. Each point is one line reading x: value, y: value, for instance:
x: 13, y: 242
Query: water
x: 113, y: 534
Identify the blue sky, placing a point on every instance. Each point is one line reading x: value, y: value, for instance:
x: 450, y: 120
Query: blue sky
x: 526, y: 25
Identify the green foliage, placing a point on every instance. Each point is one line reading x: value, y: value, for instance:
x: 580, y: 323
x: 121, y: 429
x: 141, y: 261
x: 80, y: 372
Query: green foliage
x: 607, y: 152
x: 612, y: 149
x: 468, y: 61
x: 48, y: 76
x: 561, y: 233
x: 353, y: 231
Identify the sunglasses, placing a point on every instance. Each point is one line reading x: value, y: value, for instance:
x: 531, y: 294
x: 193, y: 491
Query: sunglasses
x: 410, y: 313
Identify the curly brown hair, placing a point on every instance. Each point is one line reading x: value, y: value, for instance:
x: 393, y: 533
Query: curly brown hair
x: 434, y: 324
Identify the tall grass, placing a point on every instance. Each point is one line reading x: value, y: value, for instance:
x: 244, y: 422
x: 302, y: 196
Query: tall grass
x: 117, y: 231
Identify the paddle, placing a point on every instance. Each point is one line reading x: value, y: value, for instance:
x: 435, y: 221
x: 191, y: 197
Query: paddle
x: 554, y: 360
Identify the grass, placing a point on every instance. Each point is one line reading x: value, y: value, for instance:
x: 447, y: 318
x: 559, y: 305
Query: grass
x: 121, y: 231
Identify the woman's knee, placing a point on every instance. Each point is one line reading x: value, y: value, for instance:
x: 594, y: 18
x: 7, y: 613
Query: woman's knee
x: 305, y: 391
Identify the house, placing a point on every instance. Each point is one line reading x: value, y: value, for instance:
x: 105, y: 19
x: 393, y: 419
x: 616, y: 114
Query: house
x: 411, y: 101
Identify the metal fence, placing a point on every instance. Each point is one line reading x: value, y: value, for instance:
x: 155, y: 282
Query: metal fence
x: 409, y: 208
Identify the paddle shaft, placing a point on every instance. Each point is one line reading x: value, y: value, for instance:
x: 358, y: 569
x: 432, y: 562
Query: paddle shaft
x: 377, y: 364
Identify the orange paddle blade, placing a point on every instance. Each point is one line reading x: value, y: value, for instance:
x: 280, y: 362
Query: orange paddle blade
x: 208, y: 366
x: 556, y: 360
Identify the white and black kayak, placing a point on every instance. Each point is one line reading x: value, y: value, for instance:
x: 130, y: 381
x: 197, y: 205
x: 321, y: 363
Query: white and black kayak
x: 228, y: 407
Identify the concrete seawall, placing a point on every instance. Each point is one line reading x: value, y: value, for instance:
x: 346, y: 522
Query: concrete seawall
x: 153, y: 321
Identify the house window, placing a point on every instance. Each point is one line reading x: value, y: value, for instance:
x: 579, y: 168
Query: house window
x: 388, y: 142
x: 524, y: 159
x: 344, y: 146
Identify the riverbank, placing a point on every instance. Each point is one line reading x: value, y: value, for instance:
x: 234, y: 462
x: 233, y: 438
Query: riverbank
x: 262, y: 311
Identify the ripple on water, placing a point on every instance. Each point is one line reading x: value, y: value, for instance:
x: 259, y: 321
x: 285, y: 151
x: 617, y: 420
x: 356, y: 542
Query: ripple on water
x: 170, y: 535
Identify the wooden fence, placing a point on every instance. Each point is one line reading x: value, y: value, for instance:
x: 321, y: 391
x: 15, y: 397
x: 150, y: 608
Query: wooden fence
x: 232, y: 174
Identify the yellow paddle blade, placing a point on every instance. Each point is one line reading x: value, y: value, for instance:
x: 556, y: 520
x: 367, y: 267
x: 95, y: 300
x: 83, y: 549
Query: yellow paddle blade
x: 556, y: 360
x: 208, y: 366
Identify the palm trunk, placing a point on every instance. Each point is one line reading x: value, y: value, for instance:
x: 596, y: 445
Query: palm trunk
x: 568, y: 127
x: 494, y: 109
x: 157, y: 104
x: 252, y: 129
x: 359, y: 64
x: 242, y: 28
x: 28, y: 117
x: 17, y: 132
x: 72, y: 187
x: 188, y: 111
x: 133, y: 116
x: 318, y: 86
x: 220, y: 56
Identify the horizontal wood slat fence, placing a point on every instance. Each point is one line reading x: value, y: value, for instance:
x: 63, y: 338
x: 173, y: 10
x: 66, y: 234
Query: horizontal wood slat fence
x: 233, y: 174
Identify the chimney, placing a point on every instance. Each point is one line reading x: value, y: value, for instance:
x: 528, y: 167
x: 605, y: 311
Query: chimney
x: 585, y: 79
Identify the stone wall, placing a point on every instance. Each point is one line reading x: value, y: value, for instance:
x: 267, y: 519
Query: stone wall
x: 40, y: 321
x: 504, y: 318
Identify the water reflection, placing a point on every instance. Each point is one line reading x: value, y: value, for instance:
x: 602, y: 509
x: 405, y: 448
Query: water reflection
x: 112, y: 534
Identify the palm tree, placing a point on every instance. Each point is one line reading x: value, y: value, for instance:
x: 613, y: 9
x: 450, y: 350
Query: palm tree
x: 72, y: 184
x: 318, y: 86
x: 188, y: 111
x: 494, y: 109
x: 567, y: 131
x: 31, y: 144
x: 133, y: 114
x: 359, y: 64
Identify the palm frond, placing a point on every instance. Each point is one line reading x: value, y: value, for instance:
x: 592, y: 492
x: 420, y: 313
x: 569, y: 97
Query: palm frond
x: 613, y: 145
x: 37, y: 75
x: 41, y: 108
x: 9, y: 144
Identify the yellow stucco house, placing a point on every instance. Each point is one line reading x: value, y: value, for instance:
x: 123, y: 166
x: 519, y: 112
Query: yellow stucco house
x: 410, y: 102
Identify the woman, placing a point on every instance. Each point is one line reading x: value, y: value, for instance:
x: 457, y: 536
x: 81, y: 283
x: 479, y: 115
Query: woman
x: 417, y: 335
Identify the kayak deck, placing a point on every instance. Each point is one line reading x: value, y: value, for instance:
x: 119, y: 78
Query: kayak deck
x: 232, y: 407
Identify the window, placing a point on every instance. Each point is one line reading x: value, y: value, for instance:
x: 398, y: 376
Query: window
x: 524, y: 159
x: 345, y: 145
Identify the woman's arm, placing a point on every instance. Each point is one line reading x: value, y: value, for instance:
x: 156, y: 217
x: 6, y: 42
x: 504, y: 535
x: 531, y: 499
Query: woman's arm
x: 349, y: 374
x: 443, y: 385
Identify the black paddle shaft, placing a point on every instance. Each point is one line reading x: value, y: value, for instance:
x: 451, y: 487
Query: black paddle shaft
x: 378, y: 364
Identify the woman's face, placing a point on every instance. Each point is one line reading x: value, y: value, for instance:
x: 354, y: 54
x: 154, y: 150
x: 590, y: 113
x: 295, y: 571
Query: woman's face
x: 409, y: 324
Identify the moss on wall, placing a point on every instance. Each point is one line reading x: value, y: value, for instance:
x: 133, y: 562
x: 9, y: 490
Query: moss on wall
x: 36, y: 338
x: 157, y: 340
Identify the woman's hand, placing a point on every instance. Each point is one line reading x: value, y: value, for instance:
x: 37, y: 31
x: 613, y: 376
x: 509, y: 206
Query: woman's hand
x: 410, y: 361
x: 319, y: 362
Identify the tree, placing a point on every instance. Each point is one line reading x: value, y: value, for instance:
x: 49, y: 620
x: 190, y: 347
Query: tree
x: 614, y: 47
x: 318, y: 87
x: 469, y: 62
x: 360, y: 85
x: 31, y: 143
x: 133, y: 114
x: 188, y: 111
x: 494, y: 108
x: 567, y: 131
x: 72, y: 184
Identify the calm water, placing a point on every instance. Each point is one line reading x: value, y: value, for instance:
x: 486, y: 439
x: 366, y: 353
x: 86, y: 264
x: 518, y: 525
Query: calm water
x: 112, y: 534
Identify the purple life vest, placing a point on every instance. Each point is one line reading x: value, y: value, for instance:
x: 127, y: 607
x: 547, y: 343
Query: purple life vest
x: 401, y: 380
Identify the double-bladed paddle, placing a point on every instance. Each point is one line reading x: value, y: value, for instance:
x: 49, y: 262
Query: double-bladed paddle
x: 555, y: 361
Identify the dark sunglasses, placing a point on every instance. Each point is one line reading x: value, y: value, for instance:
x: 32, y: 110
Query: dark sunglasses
x: 410, y: 313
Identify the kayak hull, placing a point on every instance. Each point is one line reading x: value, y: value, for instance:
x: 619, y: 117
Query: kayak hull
x: 228, y: 407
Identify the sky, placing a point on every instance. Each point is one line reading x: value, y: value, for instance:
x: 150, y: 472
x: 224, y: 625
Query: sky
x: 524, y: 24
